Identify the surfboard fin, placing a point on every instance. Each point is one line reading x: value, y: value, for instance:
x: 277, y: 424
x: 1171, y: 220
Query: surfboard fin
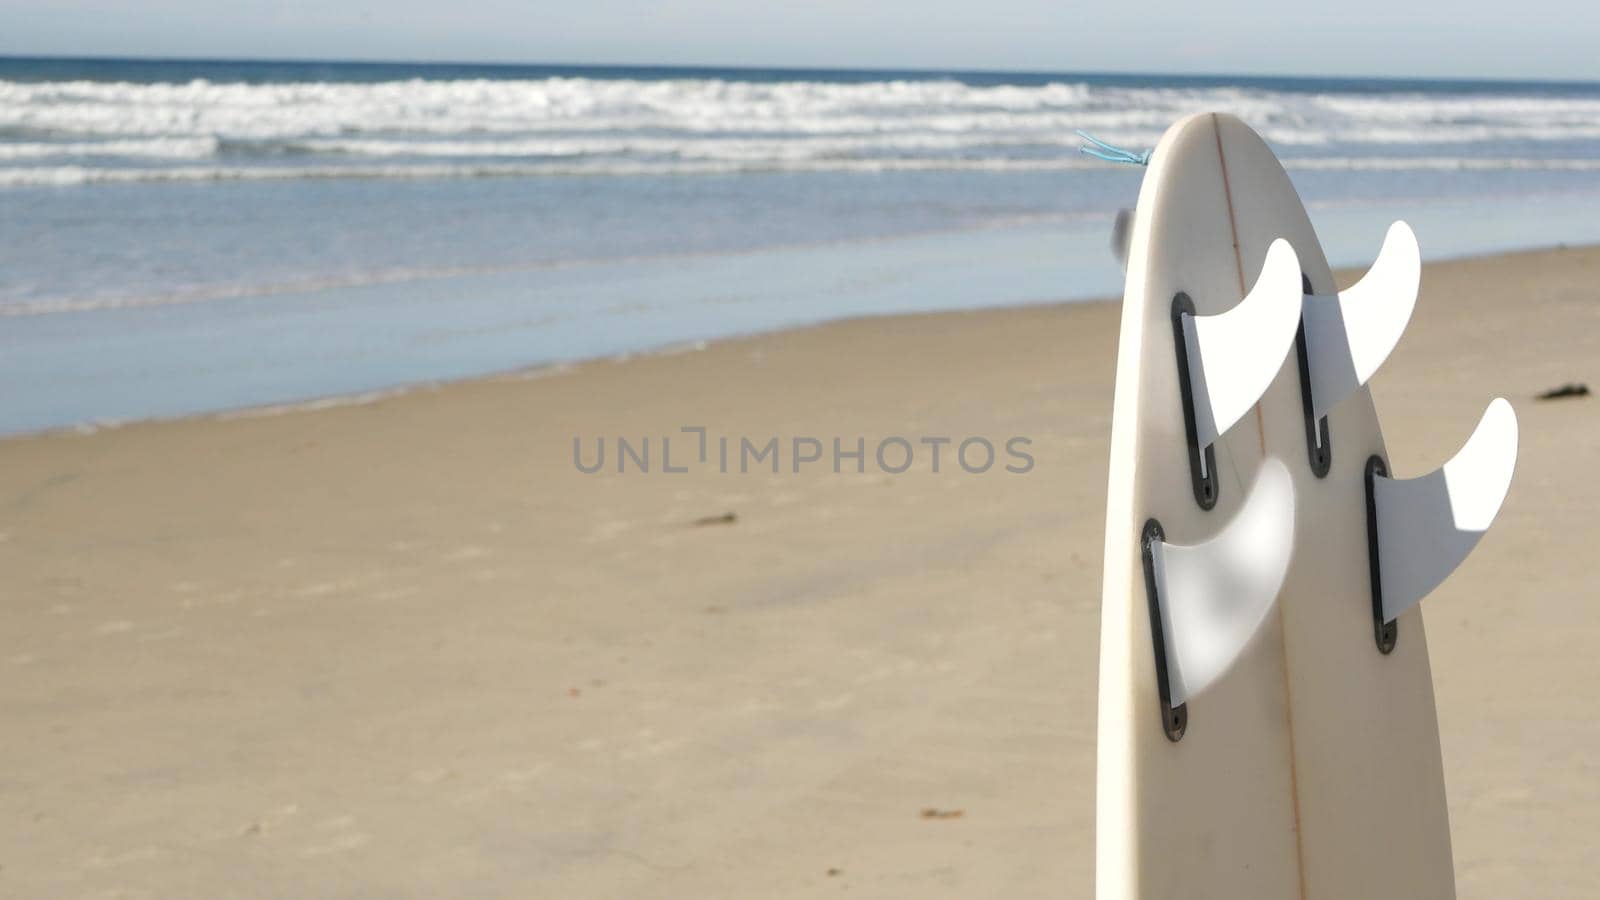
x: 1226, y: 361
x: 1208, y: 600
x: 1348, y: 335
x: 1420, y: 529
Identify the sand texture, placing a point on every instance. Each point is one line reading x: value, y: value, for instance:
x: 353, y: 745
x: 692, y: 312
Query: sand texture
x: 406, y: 648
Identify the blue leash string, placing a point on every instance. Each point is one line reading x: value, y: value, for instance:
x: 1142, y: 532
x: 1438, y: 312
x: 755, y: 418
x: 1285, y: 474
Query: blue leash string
x: 1111, y: 153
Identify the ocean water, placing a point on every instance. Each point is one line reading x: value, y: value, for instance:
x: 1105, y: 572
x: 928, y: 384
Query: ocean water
x: 180, y: 237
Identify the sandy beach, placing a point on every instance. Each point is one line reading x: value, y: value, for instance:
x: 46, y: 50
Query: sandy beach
x: 408, y: 648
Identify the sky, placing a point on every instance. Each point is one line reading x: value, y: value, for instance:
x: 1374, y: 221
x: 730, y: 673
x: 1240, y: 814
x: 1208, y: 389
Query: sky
x: 1546, y: 39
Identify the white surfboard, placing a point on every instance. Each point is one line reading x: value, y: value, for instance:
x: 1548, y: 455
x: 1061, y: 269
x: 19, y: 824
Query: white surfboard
x: 1307, y: 763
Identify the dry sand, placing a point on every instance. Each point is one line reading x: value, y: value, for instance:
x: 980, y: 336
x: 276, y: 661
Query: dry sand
x: 406, y: 648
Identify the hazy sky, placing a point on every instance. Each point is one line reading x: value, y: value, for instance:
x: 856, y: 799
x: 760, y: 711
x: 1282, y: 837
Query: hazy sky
x: 1527, y: 38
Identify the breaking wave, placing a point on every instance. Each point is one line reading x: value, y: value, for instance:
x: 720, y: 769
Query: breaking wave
x: 81, y: 132
x: 62, y: 176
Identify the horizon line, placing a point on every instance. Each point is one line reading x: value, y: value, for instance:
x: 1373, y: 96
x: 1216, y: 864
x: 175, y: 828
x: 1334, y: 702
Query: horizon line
x: 745, y: 67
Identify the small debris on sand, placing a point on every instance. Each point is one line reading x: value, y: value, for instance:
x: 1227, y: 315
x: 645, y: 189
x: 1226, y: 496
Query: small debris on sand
x: 1570, y: 389
x: 834, y: 873
x: 931, y: 813
x: 727, y: 518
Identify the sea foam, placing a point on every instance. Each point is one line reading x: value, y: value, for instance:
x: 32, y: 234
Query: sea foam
x: 78, y: 132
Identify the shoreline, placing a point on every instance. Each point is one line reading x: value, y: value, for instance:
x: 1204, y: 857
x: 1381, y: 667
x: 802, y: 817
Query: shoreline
x: 557, y: 368
x: 156, y: 363
x: 527, y: 373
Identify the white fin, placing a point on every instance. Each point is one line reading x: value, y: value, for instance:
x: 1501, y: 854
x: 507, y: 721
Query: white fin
x: 1350, y: 334
x: 1428, y: 525
x: 1215, y: 595
x: 1234, y: 355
